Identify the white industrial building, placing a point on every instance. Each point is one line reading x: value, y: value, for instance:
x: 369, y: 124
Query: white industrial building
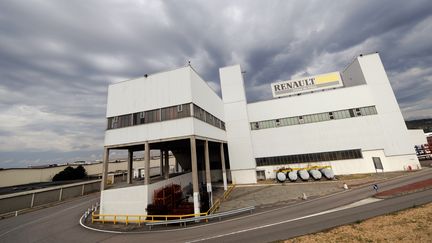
x: 348, y: 120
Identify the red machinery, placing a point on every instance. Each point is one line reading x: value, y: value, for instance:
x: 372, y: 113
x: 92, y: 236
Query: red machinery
x: 169, y: 201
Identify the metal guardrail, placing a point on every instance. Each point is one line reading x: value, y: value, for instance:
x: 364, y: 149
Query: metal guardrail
x: 183, y: 222
x: 19, y: 202
x: 52, y: 188
x: 127, y: 218
x: 89, y: 212
x: 138, y: 219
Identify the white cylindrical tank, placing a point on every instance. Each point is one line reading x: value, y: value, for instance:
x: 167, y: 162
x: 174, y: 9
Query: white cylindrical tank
x: 328, y: 173
x: 292, y: 175
x: 304, y: 175
x: 280, y: 176
x: 316, y: 174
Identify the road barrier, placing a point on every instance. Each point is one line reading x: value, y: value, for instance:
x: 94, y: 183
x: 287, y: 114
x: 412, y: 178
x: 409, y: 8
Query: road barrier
x: 15, y: 203
x: 138, y: 219
x: 183, y: 222
x: 119, y: 218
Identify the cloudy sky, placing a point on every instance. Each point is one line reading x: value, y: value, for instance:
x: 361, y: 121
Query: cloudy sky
x: 58, y: 57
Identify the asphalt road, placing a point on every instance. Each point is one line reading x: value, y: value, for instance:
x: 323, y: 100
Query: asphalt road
x: 60, y: 223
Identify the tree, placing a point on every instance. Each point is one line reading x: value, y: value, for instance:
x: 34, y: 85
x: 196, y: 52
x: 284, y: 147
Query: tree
x: 80, y: 172
x: 70, y: 173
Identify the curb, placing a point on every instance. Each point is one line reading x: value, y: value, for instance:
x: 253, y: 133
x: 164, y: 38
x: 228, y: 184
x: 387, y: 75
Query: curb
x: 237, y: 218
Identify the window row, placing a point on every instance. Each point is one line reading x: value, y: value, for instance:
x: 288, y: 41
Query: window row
x: 163, y: 114
x: 318, y: 117
x: 144, y: 117
x: 206, y: 117
x: 313, y: 157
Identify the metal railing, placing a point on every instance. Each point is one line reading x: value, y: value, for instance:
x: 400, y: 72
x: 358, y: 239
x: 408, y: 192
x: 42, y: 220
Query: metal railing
x: 183, y: 222
x: 89, y: 211
x: 138, y: 219
x: 19, y: 202
x: 127, y: 218
x: 218, y: 202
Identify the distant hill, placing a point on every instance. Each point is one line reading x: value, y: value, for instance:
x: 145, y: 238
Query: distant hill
x: 425, y: 124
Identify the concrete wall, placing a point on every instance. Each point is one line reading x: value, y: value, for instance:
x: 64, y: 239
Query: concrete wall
x: 351, y: 133
x: 392, y: 124
x: 152, y: 131
x: 208, y: 131
x: 156, y: 91
x: 23, y: 200
x: 12, y: 177
x: 129, y: 200
x: 242, y: 162
x: 367, y: 85
x: 170, y: 88
x: 205, y: 97
x: 177, y: 128
x: 325, y: 101
x: 353, y: 75
x: 417, y: 136
x: 354, y: 166
x: 133, y: 200
x: 216, y: 175
x: 15, y: 203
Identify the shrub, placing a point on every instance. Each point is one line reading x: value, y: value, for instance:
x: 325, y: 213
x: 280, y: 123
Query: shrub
x: 70, y: 173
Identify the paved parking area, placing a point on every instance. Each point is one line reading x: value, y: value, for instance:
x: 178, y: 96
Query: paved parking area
x: 269, y: 194
x: 263, y: 196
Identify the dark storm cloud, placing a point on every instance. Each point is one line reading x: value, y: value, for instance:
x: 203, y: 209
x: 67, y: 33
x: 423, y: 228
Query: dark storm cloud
x: 58, y: 57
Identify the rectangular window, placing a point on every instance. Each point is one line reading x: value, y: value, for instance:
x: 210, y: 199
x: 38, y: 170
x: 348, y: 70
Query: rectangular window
x: 300, y: 120
x: 306, y: 158
x: 114, y: 122
x: 152, y: 116
x: 346, y: 114
x: 254, y: 126
x: 162, y: 114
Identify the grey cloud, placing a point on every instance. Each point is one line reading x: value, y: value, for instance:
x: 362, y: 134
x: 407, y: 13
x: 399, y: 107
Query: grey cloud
x: 58, y: 57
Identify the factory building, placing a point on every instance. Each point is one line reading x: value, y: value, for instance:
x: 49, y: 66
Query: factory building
x: 348, y: 120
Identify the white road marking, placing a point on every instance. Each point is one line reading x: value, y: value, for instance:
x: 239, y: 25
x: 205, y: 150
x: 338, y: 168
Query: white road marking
x: 352, y: 205
x: 98, y: 230
x: 228, y: 220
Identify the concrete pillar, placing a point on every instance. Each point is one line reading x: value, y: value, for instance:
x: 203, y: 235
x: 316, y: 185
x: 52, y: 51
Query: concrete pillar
x: 161, y: 167
x: 105, y: 169
x: 147, y: 163
x: 207, y: 172
x: 194, y: 166
x: 129, y: 166
x: 224, y: 177
x: 166, y: 157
